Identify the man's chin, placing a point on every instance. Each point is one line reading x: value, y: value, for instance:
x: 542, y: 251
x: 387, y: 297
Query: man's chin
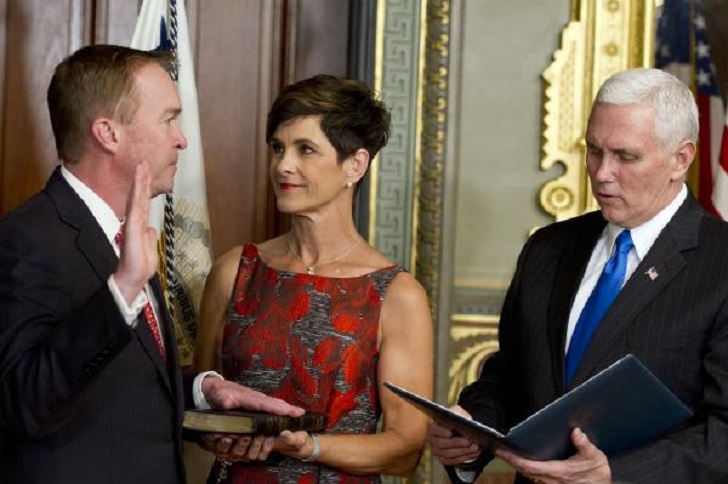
x: 611, y: 215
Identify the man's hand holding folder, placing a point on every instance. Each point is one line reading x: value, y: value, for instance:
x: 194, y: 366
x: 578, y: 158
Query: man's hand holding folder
x: 623, y: 407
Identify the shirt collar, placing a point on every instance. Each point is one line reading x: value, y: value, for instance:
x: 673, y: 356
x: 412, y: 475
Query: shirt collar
x: 644, y: 236
x: 100, y: 210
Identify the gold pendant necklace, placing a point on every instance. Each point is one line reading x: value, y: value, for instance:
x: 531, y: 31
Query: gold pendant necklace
x: 310, y: 268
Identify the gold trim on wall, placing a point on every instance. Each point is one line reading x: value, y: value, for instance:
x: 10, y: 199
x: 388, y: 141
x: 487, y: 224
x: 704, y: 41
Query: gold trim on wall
x: 374, y: 170
x: 473, y: 338
x: 418, y: 136
x: 433, y: 132
x: 603, y: 37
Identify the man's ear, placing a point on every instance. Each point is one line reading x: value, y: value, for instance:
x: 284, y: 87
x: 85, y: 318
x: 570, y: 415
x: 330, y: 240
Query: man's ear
x: 104, y: 131
x: 684, y: 155
x: 358, y: 164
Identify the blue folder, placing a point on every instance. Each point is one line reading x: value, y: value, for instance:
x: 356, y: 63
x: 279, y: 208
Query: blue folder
x: 622, y: 407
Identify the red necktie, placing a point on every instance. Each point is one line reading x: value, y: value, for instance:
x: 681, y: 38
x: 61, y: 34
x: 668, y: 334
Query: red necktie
x: 148, y: 311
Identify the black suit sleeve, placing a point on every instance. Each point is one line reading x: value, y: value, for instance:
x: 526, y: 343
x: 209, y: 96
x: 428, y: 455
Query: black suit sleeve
x: 188, y: 380
x: 696, y: 453
x: 59, y: 329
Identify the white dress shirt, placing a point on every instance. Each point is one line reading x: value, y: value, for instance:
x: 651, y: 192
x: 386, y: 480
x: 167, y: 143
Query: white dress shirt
x: 110, y: 224
x: 106, y: 218
x: 643, y: 237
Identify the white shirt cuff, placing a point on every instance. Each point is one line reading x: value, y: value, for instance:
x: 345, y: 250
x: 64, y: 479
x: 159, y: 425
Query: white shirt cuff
x: 199, y: 397
x: 129, y: 313
x: 464, y: 475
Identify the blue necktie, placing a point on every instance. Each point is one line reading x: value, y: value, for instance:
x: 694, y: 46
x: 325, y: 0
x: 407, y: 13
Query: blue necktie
x: 601, y: 298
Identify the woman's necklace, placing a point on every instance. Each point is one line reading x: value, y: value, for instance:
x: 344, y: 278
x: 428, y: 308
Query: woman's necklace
x: 310, y: 268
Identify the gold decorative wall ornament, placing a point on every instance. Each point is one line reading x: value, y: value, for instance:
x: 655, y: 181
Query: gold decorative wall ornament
x: 602, y: 37
x: 473, y: 339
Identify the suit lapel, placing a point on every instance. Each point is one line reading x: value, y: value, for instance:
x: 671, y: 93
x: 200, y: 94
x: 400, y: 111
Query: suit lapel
x: 95, y: 247
x: 91, y: 241
x: 662, y: 263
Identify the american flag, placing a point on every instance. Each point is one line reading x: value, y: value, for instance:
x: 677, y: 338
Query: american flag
x: 682, y: 49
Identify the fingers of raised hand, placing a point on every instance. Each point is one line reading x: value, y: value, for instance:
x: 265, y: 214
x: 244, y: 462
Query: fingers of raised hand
x: 138, y: 250
x: 137, y: 205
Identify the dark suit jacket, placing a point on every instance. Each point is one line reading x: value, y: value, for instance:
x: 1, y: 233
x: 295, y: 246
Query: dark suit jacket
x: 677, y: 324
x: 83, y: 397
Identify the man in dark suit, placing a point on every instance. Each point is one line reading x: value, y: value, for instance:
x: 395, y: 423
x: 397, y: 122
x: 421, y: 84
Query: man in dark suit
x: 671, y: 311
x: 90, y: 385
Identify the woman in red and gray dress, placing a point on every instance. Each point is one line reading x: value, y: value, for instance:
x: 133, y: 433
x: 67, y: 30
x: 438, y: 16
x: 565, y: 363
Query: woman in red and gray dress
x: 317, y: 317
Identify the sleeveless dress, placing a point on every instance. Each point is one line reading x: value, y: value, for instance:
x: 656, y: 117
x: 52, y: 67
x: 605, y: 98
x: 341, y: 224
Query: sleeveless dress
x: 311, y: 341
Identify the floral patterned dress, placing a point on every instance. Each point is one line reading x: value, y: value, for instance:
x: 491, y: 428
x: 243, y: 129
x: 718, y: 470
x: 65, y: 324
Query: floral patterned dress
x: 311, y: 341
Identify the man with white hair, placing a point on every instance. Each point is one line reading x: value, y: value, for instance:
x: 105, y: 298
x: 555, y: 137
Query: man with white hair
x: 667, y: 260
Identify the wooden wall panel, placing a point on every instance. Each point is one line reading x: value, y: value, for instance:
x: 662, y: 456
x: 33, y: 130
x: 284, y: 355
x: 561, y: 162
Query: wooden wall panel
x: 321, y: 37
x: 237, y: 63
x: 3, y: 70
x: 38, y: 34
x: 113, y: 21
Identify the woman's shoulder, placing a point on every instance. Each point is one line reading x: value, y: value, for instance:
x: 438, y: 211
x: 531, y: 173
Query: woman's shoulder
x: 248, y: 250
x: 271, y: 247
x: 404, y: 288
x: 231, y: 257
x: 227, y: 265
x: 405, y: 307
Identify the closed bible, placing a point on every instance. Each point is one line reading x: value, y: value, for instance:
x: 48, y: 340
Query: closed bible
x: 240, y: 422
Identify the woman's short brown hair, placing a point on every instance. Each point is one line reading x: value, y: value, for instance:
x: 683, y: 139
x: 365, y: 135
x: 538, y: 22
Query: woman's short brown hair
x: 350, y: 114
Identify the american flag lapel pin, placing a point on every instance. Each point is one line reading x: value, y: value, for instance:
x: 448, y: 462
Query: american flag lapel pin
x: 652, y: 273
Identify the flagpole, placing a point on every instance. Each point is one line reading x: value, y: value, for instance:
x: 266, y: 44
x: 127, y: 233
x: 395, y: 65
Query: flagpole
x: 169, y: 197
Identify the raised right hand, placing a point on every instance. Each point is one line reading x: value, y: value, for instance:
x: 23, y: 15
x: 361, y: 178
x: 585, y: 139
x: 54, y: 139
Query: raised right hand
x: 138, y: 255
